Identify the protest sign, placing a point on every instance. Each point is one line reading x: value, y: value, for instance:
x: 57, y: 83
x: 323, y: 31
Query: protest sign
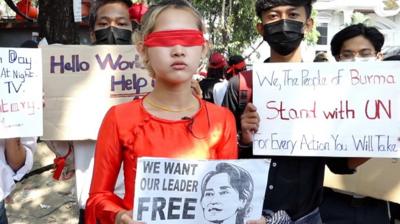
x: 328, y: 109
x: 82, y: 82
x: 199, y: 191
x: 377, y: 178
x: 21, y: 112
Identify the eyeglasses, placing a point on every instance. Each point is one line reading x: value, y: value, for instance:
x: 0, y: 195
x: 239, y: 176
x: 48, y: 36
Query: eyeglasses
x: 365, y: 53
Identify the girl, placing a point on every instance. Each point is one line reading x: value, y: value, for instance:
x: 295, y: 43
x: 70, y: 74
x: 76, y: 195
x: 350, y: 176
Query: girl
x: 168, y: 122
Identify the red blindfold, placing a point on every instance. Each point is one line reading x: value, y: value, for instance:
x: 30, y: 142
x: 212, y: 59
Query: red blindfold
x: 235, y: 67
x: 168, y: 38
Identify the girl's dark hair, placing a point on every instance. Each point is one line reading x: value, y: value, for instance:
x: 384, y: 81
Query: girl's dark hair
x: 371, y: 33
x: 264, y: 5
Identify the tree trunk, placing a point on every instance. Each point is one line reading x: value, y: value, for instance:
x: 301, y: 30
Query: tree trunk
x: 56, y: 22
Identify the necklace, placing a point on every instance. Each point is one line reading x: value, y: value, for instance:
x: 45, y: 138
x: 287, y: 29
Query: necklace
x: 165, y: 108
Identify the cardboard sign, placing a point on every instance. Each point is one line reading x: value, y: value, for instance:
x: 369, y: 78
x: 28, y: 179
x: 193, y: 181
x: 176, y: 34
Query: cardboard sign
x: 377, y: 178
x: 82, y: 82
x: 199, y: 191
x: 20, y: 93
x: 328, y: 109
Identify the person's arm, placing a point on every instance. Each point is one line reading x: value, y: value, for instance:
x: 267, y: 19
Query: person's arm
x: 19, y: 155
x: 353, y: 163
x: 103, y: 204
x: 15, y: 153
x: 344, y: 165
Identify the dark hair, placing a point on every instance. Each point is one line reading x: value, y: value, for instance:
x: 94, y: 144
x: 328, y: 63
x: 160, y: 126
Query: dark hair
x: 371, y: 33
x: 217, y: 73
x: 321, y: 57
x: 100, y: 3
x: 29, y: 44
x: 233, y: 60
x: 240, y: 180
x: 265, y: 5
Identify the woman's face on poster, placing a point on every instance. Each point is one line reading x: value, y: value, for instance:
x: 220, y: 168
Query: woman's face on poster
x: 220, y: 201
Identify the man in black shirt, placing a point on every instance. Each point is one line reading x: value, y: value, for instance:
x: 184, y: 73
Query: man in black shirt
x: 294, y: 190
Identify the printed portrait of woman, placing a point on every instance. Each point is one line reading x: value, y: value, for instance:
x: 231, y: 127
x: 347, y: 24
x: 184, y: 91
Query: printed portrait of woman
x: 226, y: 194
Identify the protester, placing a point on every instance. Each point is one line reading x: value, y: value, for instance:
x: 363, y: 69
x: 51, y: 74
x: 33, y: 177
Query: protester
x: 394, y: 207
x: 16, y: 160
x: 169, y: 122
x: 109, y: 24
x: 236, y: 64
x: 355, y: 43
x: 294, y: 190
x: 215, y: 74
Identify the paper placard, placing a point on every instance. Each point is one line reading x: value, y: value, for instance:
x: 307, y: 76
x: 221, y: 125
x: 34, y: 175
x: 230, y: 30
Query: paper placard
x: 199, y: 191
x: 21, y: 113
x: 328, y: 109
x: 82, y: 82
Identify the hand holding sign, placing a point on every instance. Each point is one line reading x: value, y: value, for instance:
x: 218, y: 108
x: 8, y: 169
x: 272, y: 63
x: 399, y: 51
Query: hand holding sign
x: 125, y: 217
x: 250, y: 122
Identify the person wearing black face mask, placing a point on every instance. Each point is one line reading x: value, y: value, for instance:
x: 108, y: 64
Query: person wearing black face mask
x: 294, y: 190
x: 110, y: 22
x: 284, y: 36
x: 113, y: 35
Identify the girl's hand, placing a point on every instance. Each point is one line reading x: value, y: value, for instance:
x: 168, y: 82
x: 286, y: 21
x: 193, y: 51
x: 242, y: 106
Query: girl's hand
x: 125, y: 217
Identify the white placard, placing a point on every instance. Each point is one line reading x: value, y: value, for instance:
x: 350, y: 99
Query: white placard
x: 199, y: 191
x: 21, y: 113
x: 328, y: 109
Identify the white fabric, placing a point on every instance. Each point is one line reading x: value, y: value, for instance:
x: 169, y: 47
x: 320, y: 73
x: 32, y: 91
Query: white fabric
x: 7, y: 175
x: 84, y: 161
x: 219, y: 91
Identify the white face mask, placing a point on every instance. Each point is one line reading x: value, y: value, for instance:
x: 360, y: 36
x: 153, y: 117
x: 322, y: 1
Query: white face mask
x: 357, y: 59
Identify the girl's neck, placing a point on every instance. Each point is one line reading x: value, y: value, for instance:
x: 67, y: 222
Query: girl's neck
x: 172, y: 95
x: 172, y: 102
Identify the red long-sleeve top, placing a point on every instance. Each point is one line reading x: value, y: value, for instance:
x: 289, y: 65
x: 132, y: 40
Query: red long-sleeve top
x: 128, y: 131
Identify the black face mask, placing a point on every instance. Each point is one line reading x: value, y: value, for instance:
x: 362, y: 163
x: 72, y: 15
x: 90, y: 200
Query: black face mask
x: 113, y: 35
x: 284, y: 36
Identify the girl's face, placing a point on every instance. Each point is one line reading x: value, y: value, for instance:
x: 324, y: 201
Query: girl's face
x: 175, y: 64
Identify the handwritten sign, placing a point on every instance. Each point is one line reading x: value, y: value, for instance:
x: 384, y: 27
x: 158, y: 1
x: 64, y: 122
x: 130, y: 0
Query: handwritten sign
x: 20, y: 93
x: 328, y: 109
x: 199, y: 191
x: 82, y: 82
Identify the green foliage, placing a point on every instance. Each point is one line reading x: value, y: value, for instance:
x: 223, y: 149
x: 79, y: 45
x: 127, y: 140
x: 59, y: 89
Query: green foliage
x: 231, y: 23
x: 312, y: 36
x: 359, y: 17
